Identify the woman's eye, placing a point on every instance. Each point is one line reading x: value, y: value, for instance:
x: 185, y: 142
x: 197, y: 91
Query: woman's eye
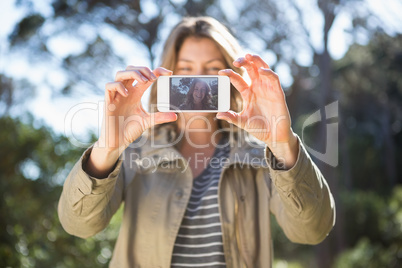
x: 184, y: 69
x: 213, y: 70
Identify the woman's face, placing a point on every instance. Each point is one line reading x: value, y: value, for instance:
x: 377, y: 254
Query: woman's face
x: 199, y: 56
x: 199, y: 92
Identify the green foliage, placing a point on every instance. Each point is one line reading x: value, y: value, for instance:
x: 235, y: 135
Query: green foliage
x: 373, y: 233
x: 288, y: 254
x: 367, y: 255
x: 362, y: 209
x: 13, y: 92
x: 26, y: 28
x: 34, y: 163
x: 177, y: 98
x: 374, y: 228
x: 369, y: 81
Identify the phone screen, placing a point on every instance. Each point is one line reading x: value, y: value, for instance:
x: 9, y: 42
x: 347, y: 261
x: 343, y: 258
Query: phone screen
x: 193, y: 93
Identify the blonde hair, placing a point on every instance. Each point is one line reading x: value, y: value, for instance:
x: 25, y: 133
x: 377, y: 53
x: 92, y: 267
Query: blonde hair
x: 201, y: 27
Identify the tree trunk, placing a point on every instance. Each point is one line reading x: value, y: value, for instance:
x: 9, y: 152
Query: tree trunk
x: 389, y: 147
x: 327, y: 251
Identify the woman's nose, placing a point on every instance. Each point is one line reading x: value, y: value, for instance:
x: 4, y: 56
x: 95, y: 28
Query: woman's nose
x: 200, y: 71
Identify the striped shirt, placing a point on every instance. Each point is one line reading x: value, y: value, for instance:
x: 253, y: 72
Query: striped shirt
x: 199, y: 241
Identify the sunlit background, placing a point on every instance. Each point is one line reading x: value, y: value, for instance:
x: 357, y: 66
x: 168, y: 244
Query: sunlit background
x: 57, y: 55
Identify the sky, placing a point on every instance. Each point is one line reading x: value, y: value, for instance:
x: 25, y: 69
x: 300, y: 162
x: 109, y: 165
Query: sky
x: 76, y: 115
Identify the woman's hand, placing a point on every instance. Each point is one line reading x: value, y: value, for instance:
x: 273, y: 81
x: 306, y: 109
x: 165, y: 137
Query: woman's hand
x: 124, y: 119
x: 265, y: 114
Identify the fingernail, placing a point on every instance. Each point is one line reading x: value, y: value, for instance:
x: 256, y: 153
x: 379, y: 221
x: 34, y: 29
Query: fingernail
x: 153, y: 76
x: 144, y: 79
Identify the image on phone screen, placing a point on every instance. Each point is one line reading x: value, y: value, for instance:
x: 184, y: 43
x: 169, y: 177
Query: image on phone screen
x: 193, y: 93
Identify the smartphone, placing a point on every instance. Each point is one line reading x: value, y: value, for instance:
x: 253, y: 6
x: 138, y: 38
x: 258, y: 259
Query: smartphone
x: 193, y: 93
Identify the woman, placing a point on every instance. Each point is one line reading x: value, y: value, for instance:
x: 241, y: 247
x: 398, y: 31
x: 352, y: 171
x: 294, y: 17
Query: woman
x: 198, y: 97
x: 182, y: 207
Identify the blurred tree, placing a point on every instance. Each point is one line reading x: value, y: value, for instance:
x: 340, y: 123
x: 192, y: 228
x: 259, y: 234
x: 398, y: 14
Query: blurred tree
x: 370, y: 87
x: 282, y: 30
x: 185, y: 84
x: 286, y: 29
x: 214, y: 87
x: 369, y: 80
x: 94, y: 24
x: 34, y: 163
x: 13, y: 93
x: 375, y: 232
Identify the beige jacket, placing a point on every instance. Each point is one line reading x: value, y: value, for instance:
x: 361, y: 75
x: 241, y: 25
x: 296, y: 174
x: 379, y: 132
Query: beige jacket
x: 155, y: 186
